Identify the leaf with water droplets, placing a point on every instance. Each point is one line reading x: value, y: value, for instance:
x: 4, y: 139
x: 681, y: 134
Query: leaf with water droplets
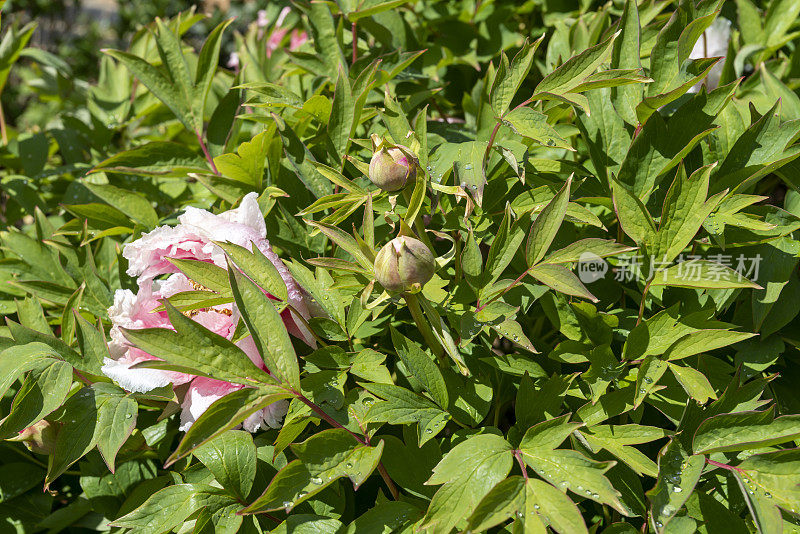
x: 529, y: 502
x: 402, y: 407
x: 566, y: 468
x: 678, y: 474
x: 768, y: 482
x: 322, y: 459
x: 468, y: 472
x: 617, y: 439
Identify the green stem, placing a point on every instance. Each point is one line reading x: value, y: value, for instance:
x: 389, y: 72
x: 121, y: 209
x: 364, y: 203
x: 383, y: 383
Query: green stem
x: 644, y: 299
x: 423, y: 324
x: 418, y: 226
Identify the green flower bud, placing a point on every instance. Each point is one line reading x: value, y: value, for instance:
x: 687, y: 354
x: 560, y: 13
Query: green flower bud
x: 391, y: 168
x: 39, y: 438
x: 403, y: 264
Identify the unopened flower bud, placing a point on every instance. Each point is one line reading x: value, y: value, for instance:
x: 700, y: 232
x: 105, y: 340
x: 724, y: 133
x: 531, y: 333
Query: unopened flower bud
x: 404, y: 263
x: 39, y: 438
x: 391, y: 168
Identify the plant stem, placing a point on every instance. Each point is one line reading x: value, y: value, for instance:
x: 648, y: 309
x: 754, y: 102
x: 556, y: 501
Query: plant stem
x: 644, y: 299
x: 3, y: 133
x: 364, y: 441
x: 724, y: 466
x: 503, y: 292
x: 423, y: 325
x: 206, y: 153
x: 518, y: 456
x: 489, y: 146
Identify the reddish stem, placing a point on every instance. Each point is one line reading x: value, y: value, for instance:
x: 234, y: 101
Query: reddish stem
x: 364, y: 441
x: 205, y: 151
x: 724, y: 466
x: 503, y: 292
x: 518, y: 456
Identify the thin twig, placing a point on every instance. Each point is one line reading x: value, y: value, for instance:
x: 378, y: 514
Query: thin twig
x: 205, y: 151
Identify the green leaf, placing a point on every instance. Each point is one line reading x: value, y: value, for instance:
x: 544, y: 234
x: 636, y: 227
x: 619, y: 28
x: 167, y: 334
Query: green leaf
x: 322, y: 459
x: 207, y: 64
x: 564, y: 79
x: 546, y: 225
x: 422, y: 366
x: 593, y: 246
x: 617, y: 439
x: 685, y: 210
x: 156, y: 158
x: 694, y: 382
x: 224, y: 414
x: 344, y: 240
x: 564, y: 468
x: 342, y: 118
x: 171, y: 506
x: 171, y: 92
x: 194, y: 349
x: 247, y: 165
x: 134, y: 206
x: 267, y: 328
x: 561, y: 279
x: 231, y: 457
x: 206, y: 274
x: 101, y: 415
x: 769, y: 481
x: 258, y: 268
x: 533, y: 124
x: 508, y: 79
x: 532, y: 504
x: 469, y: 471
x: 701, y: 274
x: 746, y: 430
x: 633, y: 216
x: 42, y: 391
x: 678, y: 474
x: 403, y: 407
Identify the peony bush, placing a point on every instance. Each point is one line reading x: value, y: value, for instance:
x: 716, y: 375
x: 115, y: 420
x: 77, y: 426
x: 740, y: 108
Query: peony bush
x: 389, y: 266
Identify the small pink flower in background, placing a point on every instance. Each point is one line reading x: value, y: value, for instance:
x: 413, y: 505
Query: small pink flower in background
x: 193, y: 238
x: 275, y: 39
x: 233, y: 61
x: 261, y: 18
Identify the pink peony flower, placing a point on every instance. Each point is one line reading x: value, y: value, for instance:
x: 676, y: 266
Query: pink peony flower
x: 275, y: 39
x: 193, y: 238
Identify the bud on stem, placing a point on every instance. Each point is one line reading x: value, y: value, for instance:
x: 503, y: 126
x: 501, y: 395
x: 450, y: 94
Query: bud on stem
x: 404, y: 264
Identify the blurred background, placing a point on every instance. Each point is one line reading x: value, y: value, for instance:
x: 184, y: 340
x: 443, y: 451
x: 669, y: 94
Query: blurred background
x: 70, y: 33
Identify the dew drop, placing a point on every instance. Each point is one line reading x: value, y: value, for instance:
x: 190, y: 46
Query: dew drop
x: 288, y: 504
x: 768, y: 495
x: 316, y: 480
x: 519, y: 514
x: 648, y: 380
x: 677, y: 489
x: 468, y: 167
x: 349, y: 465
x: 536, y: 506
